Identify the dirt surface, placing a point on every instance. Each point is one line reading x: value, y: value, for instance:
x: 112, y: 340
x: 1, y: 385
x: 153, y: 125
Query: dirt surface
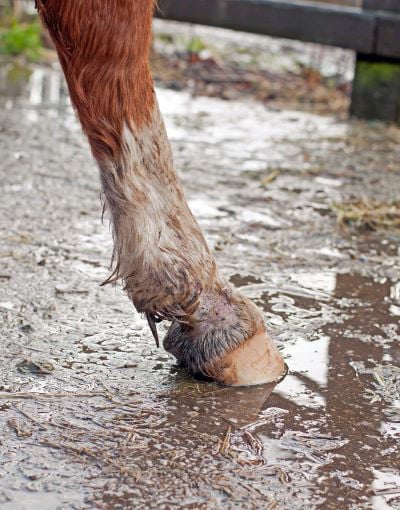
x: 94, y: 416
x: 233, y: 65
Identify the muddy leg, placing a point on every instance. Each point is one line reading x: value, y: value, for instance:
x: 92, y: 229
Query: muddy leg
x: 159, y: 251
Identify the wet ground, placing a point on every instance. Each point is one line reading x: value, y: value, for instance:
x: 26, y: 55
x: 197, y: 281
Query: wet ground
x: 94, y: 416
x: 280, y: 73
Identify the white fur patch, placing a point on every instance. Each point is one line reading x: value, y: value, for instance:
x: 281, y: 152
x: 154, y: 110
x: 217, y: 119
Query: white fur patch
x: 157, y: 240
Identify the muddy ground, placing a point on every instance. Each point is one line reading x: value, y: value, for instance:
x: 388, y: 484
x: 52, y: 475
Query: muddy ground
x: 232, y: 65
x: 94, y: 416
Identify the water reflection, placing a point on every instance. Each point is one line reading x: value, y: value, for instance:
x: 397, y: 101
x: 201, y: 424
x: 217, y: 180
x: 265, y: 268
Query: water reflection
x: 29, y: 86
x: 347, y: 413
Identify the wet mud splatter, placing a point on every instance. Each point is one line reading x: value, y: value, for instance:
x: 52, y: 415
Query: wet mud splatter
x: 94, y: 416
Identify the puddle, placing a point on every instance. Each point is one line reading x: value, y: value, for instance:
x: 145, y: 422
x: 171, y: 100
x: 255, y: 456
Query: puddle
x: 115, y: 424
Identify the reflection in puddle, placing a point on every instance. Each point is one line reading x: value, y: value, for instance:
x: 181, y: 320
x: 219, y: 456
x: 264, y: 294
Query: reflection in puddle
x: 27, y: 86
x: 308, y: 363
x: 356, y: 313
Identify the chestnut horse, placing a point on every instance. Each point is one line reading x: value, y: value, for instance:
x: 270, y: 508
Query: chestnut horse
x: 160, y: 253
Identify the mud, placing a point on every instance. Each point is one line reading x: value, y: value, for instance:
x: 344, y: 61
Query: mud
x: 230, y: 65
x: 93, y: 415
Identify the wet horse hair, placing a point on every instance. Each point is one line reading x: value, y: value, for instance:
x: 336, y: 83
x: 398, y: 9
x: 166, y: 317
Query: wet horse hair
x: 160, y: 253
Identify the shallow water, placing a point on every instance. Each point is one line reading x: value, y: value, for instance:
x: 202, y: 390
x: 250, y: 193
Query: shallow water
x: 94, y: 416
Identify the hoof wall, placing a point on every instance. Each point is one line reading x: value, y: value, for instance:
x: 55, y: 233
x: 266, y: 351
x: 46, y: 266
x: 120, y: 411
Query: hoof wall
x: 256, y: 361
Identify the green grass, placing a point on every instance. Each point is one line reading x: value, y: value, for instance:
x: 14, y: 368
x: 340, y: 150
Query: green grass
x: 195, y: 45
x: 21, y: 39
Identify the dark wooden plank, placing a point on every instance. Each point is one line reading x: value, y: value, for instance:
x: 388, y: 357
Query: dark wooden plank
x: 376, y: 85
x: 376, y: 89
x: 305, y: 21
x: 388, y: 36
x: 383, y: 5
x: 331, y: 25
x: 203, y: 12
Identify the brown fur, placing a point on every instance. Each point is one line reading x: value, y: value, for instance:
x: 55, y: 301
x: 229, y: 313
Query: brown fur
x: 103, y: 47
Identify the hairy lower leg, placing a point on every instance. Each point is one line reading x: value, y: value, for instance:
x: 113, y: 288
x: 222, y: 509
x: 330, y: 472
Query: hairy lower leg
x: 160, y: 253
